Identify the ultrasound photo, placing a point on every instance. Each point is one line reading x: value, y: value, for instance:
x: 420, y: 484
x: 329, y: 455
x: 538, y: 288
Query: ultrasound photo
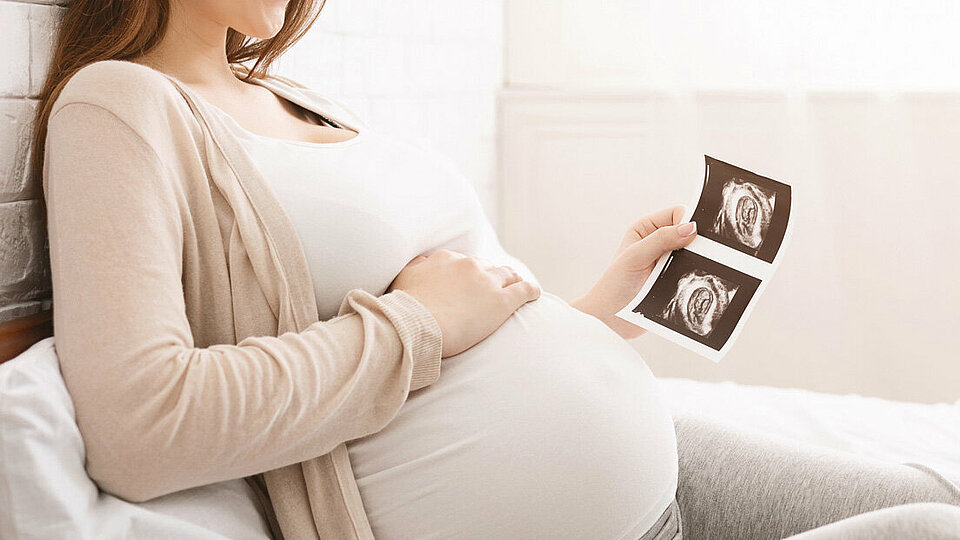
x: 743, y: 210
x: 699, y: 302
x: 699, y: 298
x: 702, y: 294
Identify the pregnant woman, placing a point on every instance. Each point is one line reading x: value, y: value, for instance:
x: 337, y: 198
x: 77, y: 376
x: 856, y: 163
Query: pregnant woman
x: 251, y: 282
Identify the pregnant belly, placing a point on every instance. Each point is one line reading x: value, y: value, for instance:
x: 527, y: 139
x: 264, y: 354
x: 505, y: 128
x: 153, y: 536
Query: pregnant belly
x: 551, y: 427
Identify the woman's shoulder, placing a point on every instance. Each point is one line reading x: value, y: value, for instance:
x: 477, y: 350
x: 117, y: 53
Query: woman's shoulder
x: 115, y: 82
x: 136, y: 94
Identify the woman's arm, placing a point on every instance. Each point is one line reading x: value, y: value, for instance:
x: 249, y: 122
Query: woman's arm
x: 646, y: 240
x: 158, y: 414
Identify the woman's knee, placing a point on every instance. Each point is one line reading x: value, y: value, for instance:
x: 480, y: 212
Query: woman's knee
x: 916, y: 520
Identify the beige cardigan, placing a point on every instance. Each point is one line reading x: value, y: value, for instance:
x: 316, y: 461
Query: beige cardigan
x: 185, y: 317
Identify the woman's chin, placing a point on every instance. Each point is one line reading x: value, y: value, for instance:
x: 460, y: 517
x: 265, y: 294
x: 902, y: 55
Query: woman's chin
x: 263, y: 32
x: 267, y: 25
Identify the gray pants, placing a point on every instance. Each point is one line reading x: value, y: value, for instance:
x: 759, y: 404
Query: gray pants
x: 737, y: 485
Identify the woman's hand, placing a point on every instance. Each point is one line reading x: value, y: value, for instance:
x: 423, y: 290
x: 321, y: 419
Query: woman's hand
x: 644, y: 243
x: 470, y: 298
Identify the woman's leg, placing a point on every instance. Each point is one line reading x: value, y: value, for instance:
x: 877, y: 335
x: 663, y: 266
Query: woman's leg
x: 735, y: 484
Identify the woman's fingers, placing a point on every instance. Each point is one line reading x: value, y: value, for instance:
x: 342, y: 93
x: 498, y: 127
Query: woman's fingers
x: 678, y: 212
x: 686, y: 229
x: 505, y: 275
x: 647, y: 225
x: 521, y: 292
x: 645, y: 252
x: 662, y: 218
x: 670, y: 238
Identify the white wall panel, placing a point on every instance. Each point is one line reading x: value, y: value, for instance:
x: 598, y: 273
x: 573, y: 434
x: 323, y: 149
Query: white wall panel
x: 865, y: 299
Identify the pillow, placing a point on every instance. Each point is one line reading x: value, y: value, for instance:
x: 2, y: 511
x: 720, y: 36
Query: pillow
x: 46, y: 493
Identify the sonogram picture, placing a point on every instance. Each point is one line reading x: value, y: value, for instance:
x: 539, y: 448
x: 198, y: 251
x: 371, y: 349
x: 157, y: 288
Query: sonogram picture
x: 743, y: 210
x: 701, y: 295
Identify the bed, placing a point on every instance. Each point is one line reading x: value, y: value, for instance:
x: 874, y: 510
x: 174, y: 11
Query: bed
x: 892, y: 431
x: 45, y: 493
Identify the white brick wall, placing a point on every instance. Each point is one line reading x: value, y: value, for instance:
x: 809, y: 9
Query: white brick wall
x: 27, y: 29
x: 426, y: 70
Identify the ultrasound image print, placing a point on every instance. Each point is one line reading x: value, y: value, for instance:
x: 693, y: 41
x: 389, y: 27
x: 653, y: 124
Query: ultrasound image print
x: 743, y: 210
x: 700, y: 300
x: 745, y: 213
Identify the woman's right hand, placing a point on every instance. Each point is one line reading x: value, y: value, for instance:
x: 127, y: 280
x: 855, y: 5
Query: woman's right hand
x: 468, y: 298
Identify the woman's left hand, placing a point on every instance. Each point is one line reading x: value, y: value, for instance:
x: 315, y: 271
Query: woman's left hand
x: 644, y: 243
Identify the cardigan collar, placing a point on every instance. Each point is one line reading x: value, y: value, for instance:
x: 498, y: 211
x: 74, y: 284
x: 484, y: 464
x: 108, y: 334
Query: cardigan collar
x: 294, y: 302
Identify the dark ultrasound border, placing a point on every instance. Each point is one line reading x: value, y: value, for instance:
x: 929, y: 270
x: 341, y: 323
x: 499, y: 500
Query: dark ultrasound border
x: 714, y: 176
x: 663, y: 289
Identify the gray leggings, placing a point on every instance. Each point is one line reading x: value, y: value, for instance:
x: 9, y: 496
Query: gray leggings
x: 737, y: 485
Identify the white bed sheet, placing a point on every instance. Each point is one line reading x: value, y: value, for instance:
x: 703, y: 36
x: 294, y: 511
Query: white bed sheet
x: 891, y: 431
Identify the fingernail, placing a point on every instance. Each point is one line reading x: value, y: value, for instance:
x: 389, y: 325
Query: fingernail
x: 687, y: 228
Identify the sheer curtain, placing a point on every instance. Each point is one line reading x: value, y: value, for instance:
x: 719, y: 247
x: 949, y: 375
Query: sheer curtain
x: 855, y: 103
x: 872, y: 45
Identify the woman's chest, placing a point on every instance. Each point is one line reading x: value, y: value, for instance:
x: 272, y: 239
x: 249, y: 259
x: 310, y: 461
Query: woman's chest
x: 366, y: 206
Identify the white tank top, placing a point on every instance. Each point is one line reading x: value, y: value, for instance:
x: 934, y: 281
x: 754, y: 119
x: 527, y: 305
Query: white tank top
x: 551, y: 427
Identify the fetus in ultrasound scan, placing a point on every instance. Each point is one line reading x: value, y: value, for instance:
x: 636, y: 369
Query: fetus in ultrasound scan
x: 745, y: 213
x: 699, y: 302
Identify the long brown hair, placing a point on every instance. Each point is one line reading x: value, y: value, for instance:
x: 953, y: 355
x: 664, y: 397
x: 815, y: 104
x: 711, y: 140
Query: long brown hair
x: 95, y: 30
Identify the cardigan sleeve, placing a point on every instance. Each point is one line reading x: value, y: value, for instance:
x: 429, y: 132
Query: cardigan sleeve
x: 158, y: 414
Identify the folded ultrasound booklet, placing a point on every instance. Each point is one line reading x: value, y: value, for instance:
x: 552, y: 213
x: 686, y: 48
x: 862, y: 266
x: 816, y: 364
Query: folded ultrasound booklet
x: 700, y: 296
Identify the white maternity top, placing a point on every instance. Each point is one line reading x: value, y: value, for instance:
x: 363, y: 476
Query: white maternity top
x: 552, y: 427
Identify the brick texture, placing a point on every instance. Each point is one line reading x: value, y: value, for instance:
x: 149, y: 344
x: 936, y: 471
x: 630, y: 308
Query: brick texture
x: 28, y: 29
x: 425, y: 70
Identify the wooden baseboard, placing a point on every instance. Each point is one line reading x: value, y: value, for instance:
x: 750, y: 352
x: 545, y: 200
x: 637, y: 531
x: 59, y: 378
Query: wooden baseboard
x: 17, y: 335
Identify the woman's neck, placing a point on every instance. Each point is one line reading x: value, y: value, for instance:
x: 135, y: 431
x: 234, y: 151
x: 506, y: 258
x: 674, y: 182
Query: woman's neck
x: 193, y: 50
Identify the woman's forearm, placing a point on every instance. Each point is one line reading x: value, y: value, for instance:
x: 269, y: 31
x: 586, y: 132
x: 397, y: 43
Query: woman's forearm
x: 643, y: 244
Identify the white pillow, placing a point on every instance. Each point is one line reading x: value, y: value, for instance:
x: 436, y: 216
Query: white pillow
x: 46, y: 493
